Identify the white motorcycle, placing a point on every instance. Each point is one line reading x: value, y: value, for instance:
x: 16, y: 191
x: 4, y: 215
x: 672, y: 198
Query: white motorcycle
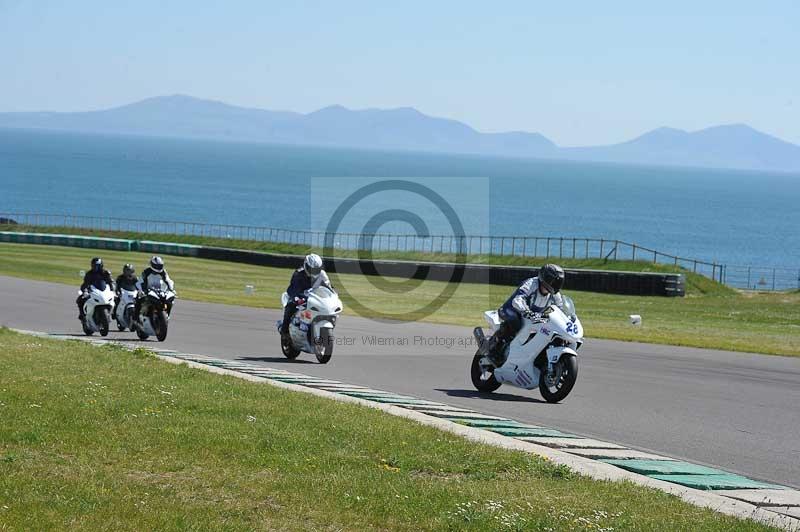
x: 97, y: 309
x: 155, y: 311
x: 311, y: 329
x: 543, y: 354
x: 125, y: 309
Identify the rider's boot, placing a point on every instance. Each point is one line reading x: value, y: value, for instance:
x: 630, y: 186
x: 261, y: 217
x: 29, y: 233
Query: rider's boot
x: 493, y: 347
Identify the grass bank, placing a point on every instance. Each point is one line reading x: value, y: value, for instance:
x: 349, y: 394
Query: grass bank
x: 762, y: 323
x: 97, y: 438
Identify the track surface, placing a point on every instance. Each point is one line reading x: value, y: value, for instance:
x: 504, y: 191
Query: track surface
x: 736, y: 411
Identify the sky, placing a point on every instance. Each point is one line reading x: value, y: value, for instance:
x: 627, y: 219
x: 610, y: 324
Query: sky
x: 581, y: 73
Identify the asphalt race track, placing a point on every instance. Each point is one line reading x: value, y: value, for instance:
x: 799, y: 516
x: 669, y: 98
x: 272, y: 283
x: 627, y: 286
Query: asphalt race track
x: 739, y: 412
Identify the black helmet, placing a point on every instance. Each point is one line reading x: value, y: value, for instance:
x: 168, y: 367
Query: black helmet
x: 551, y: 276
x: 157, y: 263
x: 128, y: 269
x: 97, y: 264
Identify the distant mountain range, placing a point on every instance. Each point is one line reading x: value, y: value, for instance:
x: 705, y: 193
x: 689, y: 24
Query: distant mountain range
x: 405, y: 128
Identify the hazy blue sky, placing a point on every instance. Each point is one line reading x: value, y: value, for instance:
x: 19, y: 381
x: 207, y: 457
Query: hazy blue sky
x: 578, y: 72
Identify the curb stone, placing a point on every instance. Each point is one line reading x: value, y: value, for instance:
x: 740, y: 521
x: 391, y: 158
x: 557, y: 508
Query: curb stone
x: 772, y: 505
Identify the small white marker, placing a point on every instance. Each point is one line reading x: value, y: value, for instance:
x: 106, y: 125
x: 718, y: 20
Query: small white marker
x: 636, y: 320
x: 249, y: 289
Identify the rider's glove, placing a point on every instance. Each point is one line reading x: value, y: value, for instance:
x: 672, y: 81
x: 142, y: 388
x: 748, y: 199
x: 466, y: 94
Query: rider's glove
x: 299, y: 301
x: 533, y: 316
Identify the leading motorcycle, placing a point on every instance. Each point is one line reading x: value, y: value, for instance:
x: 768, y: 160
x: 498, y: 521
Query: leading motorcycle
x: 155, y: 311
x: 543, y: 354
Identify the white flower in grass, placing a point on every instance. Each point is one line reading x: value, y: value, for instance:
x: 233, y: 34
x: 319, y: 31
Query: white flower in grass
x: 251, y: 419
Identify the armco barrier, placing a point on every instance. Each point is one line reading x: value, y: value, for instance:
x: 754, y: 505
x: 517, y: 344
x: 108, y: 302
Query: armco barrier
x: 607, y: 281
x: 167, y: 248
x: 117, y: 244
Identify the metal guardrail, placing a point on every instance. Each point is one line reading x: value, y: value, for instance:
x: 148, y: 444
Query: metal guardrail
x: 747, y: 277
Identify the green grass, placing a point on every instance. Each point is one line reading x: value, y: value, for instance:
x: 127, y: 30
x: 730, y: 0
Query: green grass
x: 98, y: 438
x: 763, y: 323
x: 695, y: 283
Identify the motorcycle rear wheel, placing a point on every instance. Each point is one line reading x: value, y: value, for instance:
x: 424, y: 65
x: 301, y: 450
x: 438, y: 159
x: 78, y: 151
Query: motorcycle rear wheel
x: 566, y: 370
x: 324, y: 349
x: 487, y: 386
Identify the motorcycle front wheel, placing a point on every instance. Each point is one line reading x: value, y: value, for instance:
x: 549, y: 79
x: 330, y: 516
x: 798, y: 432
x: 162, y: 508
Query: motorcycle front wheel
x: 161, y: 325
x: 486, y: 386
x: 324, y: 349
x: 86, y: 330
x: 556, y: 387
x: 101, y: 319
x: 288, y: 348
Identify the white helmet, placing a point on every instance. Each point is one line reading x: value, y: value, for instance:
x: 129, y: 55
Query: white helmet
x: 157, y: 264
x: 312, y: 265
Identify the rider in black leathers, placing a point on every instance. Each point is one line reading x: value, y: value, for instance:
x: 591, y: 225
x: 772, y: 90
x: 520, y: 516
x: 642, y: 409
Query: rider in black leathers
x: 126, y: 281
x: 95, y: 275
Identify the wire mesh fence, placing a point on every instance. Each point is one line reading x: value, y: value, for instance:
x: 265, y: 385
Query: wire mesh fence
x: 746, y: 277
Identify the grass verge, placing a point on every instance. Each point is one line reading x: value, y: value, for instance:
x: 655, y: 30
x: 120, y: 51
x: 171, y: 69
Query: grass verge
x: 98, y: 438
x: 762, y: 323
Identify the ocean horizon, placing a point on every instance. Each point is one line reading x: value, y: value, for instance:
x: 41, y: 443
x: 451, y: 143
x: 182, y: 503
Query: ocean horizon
x: 734, y: 217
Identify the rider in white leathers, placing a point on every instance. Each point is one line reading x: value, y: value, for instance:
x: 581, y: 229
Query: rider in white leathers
x: 150, y: 276
x: 532, y: 297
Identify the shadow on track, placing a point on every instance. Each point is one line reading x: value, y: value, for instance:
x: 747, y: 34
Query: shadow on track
x: 494, y: 396
x: 279, y: 360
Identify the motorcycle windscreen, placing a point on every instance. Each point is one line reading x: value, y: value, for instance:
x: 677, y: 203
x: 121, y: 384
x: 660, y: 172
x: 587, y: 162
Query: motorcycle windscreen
x: 99, y: 284
x: 569, y: 307
x: 323, y: 292
x: 156, y: 283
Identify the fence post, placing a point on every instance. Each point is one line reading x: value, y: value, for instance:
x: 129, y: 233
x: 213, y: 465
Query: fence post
x: 548, y: 247
x: 573, y: 248
x: 773, y: 279
x: 560, y: 247
x: 602, y: 245
x: 513, y: 245
x: 634, y: 253
x: 586, y: 241
x: 655, y: 257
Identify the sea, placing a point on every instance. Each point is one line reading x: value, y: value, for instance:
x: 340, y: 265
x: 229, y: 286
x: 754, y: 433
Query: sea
x: 728, y: 216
